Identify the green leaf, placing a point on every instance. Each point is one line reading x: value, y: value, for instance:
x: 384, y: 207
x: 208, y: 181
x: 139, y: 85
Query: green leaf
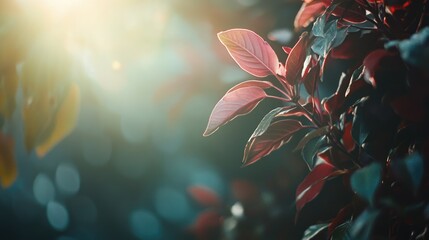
x: 363, y: 225
x: 360, y: 131
x: 318, y: 29
x: 310, y: 149
x: 342, y: 232
x: 312, y: 231
x: 265, y: 122
x: 415, y: 168
x: 311, y: 135
x: 366, y: 180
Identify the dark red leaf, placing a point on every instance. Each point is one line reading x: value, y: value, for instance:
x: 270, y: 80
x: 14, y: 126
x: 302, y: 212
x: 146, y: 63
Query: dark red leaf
x: 250, y: 51
x: 340, y: 218
x: 351, y: 12
x: 308, y: 12
x: 204, y: 196
x: 372, y: 63
x: 311, y: 79
x: 348, y: 49
x: 233, y: 104
x: 277, y: 134
x: 294, y: 62
x: 313, y: 183
x: 409, y: 108
x: 347, y: 138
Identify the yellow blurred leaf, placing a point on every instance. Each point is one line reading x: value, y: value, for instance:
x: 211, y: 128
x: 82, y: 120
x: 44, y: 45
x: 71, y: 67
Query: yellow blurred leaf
x: 45, y: 83
x: 8, y: 88
x: 8, y: 170
x: 64, y: 121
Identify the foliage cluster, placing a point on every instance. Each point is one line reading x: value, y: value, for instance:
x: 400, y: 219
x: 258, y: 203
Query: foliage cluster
x: 372, y: 131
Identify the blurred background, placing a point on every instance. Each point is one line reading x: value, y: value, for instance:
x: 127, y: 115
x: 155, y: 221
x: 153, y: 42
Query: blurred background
x: 136, y: 165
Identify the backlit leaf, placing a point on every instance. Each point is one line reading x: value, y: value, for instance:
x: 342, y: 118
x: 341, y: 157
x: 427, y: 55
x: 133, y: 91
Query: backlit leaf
x: 310, y: 150
x: 233, y: 104
x: 250, y: 51
x: 277, y: 134
x: 308, y: 12
x: 64, y: 121
x: 296, y: 58
x: 365, y: 181
x: 312, y: 184
x: 311, y: 135
x: 8, y: 170
x: 252, y: 83
x: 265, y: 122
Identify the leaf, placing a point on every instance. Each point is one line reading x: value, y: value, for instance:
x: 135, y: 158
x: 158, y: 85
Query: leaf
x: 277, y: 134
x: 415, y: 167
x: 312, y: 184
x: 362, y: 227
x: 310, y: 80
x: 311, y: 135
x: 64, y: 121
x: 415, y: 50
x: 245, y: 191
x: 342, y: 215
x: 360, y: 131
x: 252, y: 83
x: 296, y: 58
x: 8, y: 88
x: 8, y: 170
x: 313, y: 230
x: 365, y: 181
x: 250, y: 52
x: 372, y: 63
x: 347, y: 138
x: 310, y: 150
x: 206, y: 222
x: 409, y: 170
x: 342, y: 232
x: 45, y: 84
x: 350, y: 12
x: 204, y: 196
x: 232, y: 105
x: 265, y: 122
x: 308, y: 12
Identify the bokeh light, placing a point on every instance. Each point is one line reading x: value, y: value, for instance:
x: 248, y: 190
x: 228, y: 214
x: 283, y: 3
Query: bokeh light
x: 43, y: 189
x: 58, y: 215
x: 145, y: 225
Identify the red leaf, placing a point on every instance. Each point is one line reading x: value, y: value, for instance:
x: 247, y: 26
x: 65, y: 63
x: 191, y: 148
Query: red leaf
x: 233, y: 104
x: 204, y: 196
x: 347, y: 138
x: 350, y: 12
x: 341, y: 217
x: 251, y: 83
x: 244, y: 191
x: 275, y: 136
x: 250, y: 52
x: 308, y: 12
x: 286, y: 49
x: 207, y: 224
x: 312, y: 184
x: 310, y: 80
x: 296, y: 58
x: 372, y: 63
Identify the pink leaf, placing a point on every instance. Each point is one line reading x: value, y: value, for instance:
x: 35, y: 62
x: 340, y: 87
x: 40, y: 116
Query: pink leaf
x: 274, y: 137
x: 296, y: 58
x: 232, y: 105
x: 308, y: 12
x: 250, y: 51
x: 312, y: 184
x: 252, y: 83
x: 204, y: 196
